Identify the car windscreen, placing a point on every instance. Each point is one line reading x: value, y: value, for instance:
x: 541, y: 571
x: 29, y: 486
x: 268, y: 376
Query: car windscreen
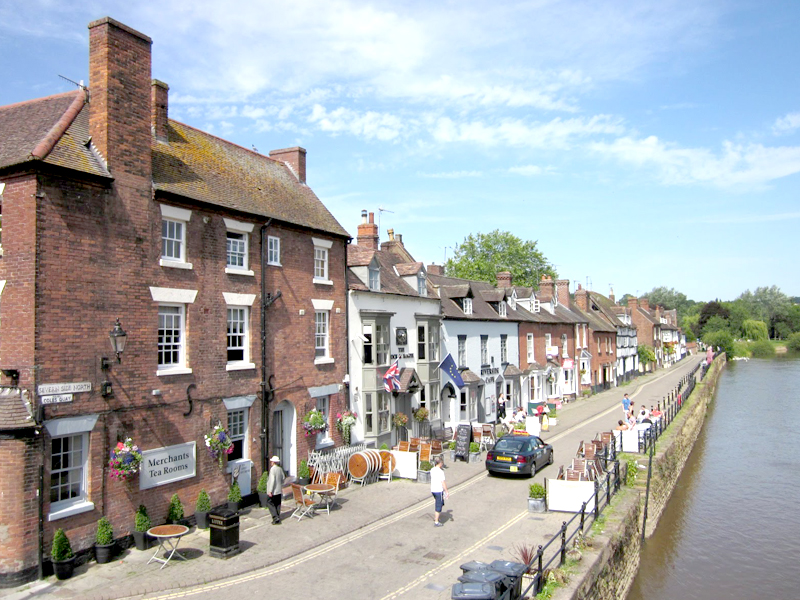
x: 510, y: 445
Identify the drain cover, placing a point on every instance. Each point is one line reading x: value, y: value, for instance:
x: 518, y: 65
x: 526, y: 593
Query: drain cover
x: 433, y: 556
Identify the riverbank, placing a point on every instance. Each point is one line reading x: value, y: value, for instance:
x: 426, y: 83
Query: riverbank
x: 609, y: 566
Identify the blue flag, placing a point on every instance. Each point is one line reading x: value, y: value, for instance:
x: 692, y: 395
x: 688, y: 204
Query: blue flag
x: 448, y: 365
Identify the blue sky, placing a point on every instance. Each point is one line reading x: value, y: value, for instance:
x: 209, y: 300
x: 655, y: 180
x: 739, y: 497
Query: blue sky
x: 639, y: 143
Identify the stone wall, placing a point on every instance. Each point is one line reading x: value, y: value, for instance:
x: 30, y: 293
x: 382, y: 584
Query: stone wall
x: 607, y: 572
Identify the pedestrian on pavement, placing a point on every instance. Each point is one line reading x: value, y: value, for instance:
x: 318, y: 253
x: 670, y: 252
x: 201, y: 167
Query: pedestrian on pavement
x: 438, y: 489
x: 626, y: 404
x: 275, y: 489
x: 501, y: 407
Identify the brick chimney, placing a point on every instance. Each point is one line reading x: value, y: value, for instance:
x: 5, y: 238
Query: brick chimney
x: 546, y: 289
x: 582, y: 298
x: 562, y: 289
x: 503, y: 280
x: 119, y: 87
x: 611, y: 296
x: 435, y: 270
x: 368, y: 232
x: 645, y: 303
x: 633, y: 303
x: 159, y: 106
x: 295, y: 158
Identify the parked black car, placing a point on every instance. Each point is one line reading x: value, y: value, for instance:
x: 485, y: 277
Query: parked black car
x: 519, y: 454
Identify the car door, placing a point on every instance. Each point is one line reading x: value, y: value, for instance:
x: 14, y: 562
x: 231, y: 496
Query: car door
x: 538, y: 451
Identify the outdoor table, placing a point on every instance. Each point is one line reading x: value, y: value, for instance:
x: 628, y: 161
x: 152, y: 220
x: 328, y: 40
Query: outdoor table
x: 168, y: 536
x: 319, y: 489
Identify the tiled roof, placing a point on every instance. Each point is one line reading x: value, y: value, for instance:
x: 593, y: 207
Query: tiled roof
x: 408, y: 377
x: 649, y: 316
x: 455, y: 291
x: 14, y: 411
x: 453, y: 287
x: 606, y: 307
x: 468, y: 376
x: 492, y: 295
x: 405, y: 269
x: 200, y: 166
x: 359, y: 256
x: 596, y: 321
x: 390, y: 281
x: 54, y: 130
x: 512, y: 371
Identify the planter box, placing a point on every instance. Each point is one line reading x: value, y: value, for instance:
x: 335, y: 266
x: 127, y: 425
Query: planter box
x: 141, y: 540
x: 474, y: 457
x: 202, y: 519
x: 424, y: 476
x: 537, y: 505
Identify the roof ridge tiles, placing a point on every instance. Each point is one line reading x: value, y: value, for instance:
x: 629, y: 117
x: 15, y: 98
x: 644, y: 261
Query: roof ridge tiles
x: 46, y: 144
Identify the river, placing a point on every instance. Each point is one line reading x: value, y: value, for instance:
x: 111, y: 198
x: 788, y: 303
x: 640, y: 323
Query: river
x: 730, y: 529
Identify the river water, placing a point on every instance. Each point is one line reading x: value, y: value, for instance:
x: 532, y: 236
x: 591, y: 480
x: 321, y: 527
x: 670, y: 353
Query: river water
x: 731, y: 529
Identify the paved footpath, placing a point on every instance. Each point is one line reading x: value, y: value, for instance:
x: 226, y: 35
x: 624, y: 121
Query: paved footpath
x: 379, y: 543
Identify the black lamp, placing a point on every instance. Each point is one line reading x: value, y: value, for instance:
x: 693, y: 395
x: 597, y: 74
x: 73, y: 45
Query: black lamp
x: 118, y: 338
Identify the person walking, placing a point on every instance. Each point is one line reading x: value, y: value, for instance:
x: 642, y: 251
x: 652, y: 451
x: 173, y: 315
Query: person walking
x: 438, y: 489
x: 275, y: 489
x: 626, y: 404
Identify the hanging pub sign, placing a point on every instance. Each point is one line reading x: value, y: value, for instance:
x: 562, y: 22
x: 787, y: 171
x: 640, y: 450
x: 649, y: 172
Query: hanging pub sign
x: 166, y: 465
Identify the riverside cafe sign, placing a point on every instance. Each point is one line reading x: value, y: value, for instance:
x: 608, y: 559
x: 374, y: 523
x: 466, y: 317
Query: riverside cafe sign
x: 167, y: 465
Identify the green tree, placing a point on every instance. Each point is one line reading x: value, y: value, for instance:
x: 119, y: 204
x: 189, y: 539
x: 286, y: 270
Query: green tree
x: 481, y: 256
x: 646, y: 354
x: 794, y: 342
x: 670, y: 299
x: 738, y: 313
x: 768, y: 304
x: 716, y: 323
x: 721, y: 339
x: 711, y: 309
x: 755, y: 330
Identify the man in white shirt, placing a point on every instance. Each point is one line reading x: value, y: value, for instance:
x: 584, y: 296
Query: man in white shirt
x: 438, y: 489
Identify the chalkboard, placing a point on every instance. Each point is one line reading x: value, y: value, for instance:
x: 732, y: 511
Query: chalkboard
x: 463, y: 438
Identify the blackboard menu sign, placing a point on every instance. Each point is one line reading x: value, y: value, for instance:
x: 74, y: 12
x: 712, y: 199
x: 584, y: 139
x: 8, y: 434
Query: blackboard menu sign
x: 463, y: 438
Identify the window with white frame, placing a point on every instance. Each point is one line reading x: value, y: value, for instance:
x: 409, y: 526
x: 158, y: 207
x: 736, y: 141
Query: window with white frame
x: 237, y: 430
x: 564, y: 345
x: 503, y: 348
x: 467, y: 304
x: 462, y: 351
x: 501, y: 309
x: 171, y: 336
x: 422, y: 288
x: 321, y: 346
x: 536, y: 388
x: 548, y: 342
x: 421, y: 344
x: 324, y: 406
x: 473, y: 404
x: 238, y: 247
x: 369, y: 345
x: 273, y: 251
x: 529, y: 342
x: 569, y: 381
x: 484, y: 350
x: 374, y: 278
x: 435, y: 401
x: 321, y: 251
x: 238, y: 347
x: 376, y: 413
x: 322, y: 331
x: 382, y: 344
x: 433, y: 341
x: 463, y: 405
x: 68, y: 465
x: 174, y: 221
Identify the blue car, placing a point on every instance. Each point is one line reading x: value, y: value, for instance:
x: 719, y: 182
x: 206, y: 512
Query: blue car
x: 519, y: 454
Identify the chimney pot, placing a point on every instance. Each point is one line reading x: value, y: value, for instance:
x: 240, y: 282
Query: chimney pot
x: 295, y: 159
x: 364, y: 217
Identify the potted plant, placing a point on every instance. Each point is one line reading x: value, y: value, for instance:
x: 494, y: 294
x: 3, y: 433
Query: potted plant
x: 201, y: 509
x: 234, y: 496
x: 474, y: 452
x: 344, y: 422
x: 175, y: 510
x: 314, y: 422
x: 303, y: 473
x: 399, y: 420
x: 104, y: 541
x: 261, y: 488
x: 124, y: 461
x: 536, y: 498
x: 218, y: 443
x: 552, y: 418
x: 420, y: 414
x: 62, y: 556
x: 424, y: 472
x: 452, y: 446
x: 141, y: 523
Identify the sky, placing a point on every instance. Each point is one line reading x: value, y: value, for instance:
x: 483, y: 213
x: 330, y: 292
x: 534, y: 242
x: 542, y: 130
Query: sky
x: 640, y: 144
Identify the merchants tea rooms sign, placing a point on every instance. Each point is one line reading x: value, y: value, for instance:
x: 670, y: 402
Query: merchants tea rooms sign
x: 165, y: 465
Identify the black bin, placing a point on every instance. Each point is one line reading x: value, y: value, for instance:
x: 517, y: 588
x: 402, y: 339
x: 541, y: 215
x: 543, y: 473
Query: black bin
x: 224, y: 531
x: 498, y: 580
x: 513, y: 572
x: 473, y: 591
x: 474, y: 565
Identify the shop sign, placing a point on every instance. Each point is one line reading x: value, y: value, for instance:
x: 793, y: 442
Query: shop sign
x: 488, y: 373
x: 403, y: 355
x: 166, y: 465
x: 56, y: 399
x: 49, y: 389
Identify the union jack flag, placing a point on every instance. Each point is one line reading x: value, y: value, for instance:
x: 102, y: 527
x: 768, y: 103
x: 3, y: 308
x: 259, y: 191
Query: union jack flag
x: 392, y: 378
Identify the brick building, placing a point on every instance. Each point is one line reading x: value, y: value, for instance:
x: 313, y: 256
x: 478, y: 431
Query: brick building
x: 224, y: 269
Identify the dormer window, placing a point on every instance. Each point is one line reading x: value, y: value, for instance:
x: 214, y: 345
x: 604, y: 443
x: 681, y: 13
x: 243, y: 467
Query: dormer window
x: 374, y: 279
x: 536, y: 305
x: 422, y: 288
x: 466, y: 305
x: 501, y: 309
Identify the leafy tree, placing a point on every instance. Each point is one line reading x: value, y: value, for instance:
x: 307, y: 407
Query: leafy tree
x: 481, y: 256
x: 722, y: 339
x: 763, y: 349
x: 794, y: 342
x: 788, y: 322
x: 670, y: 299
x: 691, y: 324
x: 755, y: 330
x: 646, y: 354
x: 711, y: 309
x: 738, y: 313
x: 768, y: 304
x: 716, y: 323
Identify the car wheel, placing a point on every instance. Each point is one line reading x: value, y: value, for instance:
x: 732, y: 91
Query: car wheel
x: 550, y: 458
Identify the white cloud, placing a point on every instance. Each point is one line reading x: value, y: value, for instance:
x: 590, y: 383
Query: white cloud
x: 451, y: 175
x: 787, y: 124
x: 750, y: 165
x: 368, y: 125
x: 529, y: 170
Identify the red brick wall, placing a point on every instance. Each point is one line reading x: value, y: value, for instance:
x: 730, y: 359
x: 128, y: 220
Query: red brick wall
x: 19, y: 507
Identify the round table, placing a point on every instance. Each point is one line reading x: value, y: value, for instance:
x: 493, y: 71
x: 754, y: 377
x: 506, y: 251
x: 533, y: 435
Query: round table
x: 168, y: 536
x: 322, y: 490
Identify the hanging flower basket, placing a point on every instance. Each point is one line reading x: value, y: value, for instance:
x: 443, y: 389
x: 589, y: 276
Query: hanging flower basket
x: 124, y: 461
x: 314, y: 422
x: 344, y: 422
x: 420, y: 414
x: 219, y: 443
x: 399, y: 420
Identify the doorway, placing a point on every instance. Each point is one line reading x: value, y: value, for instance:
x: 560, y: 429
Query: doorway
x: 283, y: 426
